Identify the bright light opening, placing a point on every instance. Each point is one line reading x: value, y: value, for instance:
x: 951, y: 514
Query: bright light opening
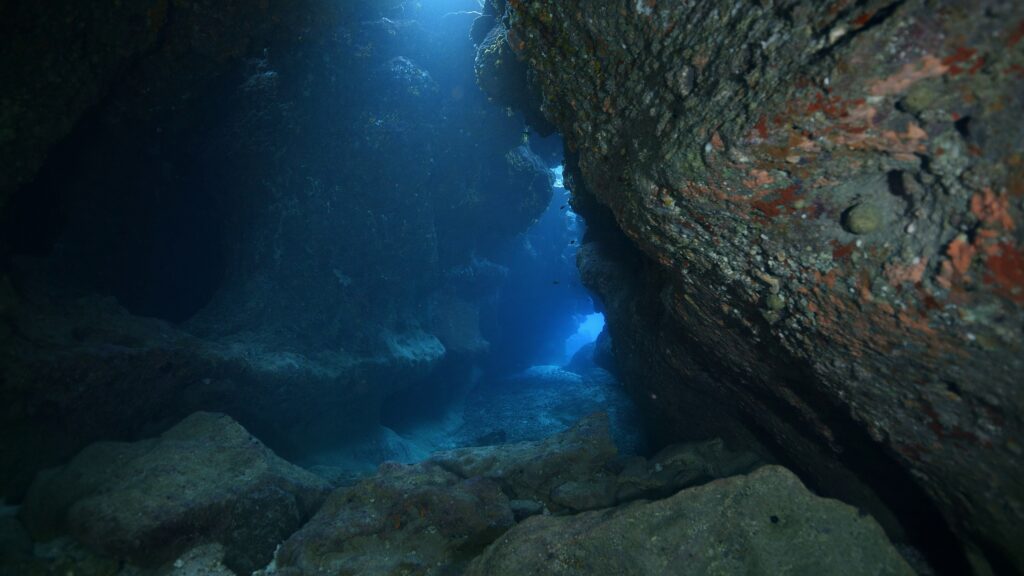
x: 587, y: 332
x: 557, y: 173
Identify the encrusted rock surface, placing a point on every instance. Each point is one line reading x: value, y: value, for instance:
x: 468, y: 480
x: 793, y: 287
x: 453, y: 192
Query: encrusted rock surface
x: 204, y: 481
x: 764, y: 523
x: 827, y: 196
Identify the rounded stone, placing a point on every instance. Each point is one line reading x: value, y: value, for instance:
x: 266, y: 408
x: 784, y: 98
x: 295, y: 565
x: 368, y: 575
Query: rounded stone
x: 862, y: 218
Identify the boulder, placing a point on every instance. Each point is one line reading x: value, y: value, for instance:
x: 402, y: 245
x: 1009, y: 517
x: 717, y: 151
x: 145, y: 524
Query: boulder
x: 579, y: 469
x: 568, y: 471
x: 681, y: 466
x: 206, y: 480
x: 763, y: 523
x: 408, y: 519
x: 523, y: 509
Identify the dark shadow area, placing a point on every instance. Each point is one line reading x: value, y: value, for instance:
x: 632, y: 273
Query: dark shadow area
x: 148, y: 231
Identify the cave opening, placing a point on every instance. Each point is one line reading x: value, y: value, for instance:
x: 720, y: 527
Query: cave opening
x: 540, y: 374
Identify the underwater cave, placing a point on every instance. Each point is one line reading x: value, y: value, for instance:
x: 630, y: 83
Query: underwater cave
x: 496, y: 287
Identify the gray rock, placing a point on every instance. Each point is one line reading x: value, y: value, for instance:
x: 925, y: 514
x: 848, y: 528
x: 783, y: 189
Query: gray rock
x: 205, y: 480
x: 205, y: 560
x: 586, y: 494
x: 681, y: 466
x: 408, y: 519
x: 534, y: 470
x: 523, y: 509
x: 764, y: 523
x: 862, y: 218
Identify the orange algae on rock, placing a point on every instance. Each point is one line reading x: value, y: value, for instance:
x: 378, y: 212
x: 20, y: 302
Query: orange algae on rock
x: 991, y: 208
x: 927, y: 67
x: 961, y: 253
x: 1006, y: 271
x: 899, y: 273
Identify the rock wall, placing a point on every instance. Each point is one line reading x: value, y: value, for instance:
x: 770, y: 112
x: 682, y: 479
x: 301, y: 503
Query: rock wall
x: 819, y: 207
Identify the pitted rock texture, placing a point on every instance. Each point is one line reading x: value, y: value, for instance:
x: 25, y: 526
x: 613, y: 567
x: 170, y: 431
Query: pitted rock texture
x: 828, y: 194
x: 204, y: 481
x: 764, y: 523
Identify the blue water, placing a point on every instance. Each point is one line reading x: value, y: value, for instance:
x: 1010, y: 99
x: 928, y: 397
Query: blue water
x: 589, y: 328
x: 537, y: 376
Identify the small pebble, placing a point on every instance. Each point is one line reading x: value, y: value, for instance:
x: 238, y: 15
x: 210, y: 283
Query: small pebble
x: 862, y: 218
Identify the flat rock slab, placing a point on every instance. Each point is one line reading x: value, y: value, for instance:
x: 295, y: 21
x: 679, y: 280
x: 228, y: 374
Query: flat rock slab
x: 206, y: 480
x: 763, y: 523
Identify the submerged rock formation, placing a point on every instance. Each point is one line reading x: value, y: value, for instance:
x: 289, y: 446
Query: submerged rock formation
x: 764, y: 523
x: 406, y: 519
x: 204, y: 481
x: 441, y: 516
x: 207, y: 498
x: 827, y: 200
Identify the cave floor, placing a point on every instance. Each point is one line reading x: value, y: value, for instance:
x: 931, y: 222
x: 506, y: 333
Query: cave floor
x: 527, y: 406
